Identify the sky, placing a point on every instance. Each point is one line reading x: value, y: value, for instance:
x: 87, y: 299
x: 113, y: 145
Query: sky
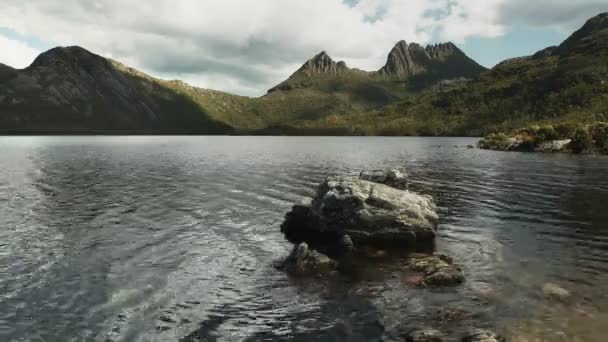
x: 248, y: 46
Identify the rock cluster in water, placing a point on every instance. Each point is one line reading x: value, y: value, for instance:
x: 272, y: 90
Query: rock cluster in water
x: 366, y: 215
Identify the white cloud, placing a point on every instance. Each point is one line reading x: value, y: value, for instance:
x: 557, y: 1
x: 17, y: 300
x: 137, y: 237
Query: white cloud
x: 565, y: 15
x: 16, y: 53
x: 247, y: 46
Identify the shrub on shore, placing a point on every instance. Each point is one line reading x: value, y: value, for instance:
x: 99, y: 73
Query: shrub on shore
x: 495, y: 141
x: 583, y: 138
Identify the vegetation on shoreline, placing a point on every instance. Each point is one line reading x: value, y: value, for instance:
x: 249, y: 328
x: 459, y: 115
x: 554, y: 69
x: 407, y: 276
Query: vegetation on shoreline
x: 563, y: 137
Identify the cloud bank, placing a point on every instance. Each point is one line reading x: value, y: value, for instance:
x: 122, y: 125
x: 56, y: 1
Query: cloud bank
x: 247, y: 46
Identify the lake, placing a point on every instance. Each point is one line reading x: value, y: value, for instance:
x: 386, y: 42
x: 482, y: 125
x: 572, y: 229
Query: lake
x: 176, y: 238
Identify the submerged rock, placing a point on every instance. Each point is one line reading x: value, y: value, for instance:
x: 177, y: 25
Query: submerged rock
x: 483, y: 336
x: 555, y: 291
x: 368, y: 212
x: 426, y: 335
x: 392, y: 177
x: 305, y: 261
x: 437, y: 270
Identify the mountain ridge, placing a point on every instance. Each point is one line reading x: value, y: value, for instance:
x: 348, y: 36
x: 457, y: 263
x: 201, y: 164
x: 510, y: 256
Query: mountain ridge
x: 567, y: 83
x: 432, y: 90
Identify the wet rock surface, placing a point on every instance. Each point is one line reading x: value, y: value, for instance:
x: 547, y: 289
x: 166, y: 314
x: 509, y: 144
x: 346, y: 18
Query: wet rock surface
x: 306, y: 261
x: 394, y: 178
x: 554, y: 291
x: 481, y: 335
x: 426, y: 335
x: 436, y: 270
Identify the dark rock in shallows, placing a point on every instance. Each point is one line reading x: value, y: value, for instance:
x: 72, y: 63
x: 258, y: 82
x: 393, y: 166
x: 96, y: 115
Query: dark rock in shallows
x: 426, y: 335
x: 555, y: 291
x: 305, y: 261
x: 438, y: 270
x: 346, y: 244
x: 368, y: 212
x: 481, y: 335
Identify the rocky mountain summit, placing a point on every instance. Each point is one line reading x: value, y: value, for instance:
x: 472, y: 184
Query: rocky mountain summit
x: 71, y: 90
x: 323, y: 64
x: 404, y: 62
x: 320, y: 66
x: 440, y: 60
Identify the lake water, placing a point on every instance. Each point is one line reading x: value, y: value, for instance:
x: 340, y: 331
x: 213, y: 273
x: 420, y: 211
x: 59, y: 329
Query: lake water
x: 169, y: 238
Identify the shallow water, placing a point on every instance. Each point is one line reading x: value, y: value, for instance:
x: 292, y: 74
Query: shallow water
x: 168, y: 238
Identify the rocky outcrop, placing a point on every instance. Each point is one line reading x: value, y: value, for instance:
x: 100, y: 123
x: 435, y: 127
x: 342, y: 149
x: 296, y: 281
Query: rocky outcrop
x: 323, y: 64
x: 553, y: 146
x: 502, y: 142
x: 320, y: 66
x: 436, y: 270
x: 368, y: 212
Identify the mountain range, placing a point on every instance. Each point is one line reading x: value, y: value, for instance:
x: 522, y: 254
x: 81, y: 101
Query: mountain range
x: 432, y: 90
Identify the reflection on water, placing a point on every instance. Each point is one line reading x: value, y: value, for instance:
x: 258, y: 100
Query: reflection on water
x: 168, y: 238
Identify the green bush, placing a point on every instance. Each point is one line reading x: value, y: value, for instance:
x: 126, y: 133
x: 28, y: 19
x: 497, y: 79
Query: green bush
x: 494, y: 141
x: 581, y: 140
x: 565, y: 130
x: 546, y: 133
x: 600, y: 136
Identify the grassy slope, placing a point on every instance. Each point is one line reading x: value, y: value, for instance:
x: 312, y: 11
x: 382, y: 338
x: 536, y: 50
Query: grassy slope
x: 354, y: 92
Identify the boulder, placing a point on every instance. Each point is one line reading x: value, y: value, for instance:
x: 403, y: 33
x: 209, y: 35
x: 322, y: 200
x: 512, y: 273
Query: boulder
x: 306, y: 261
x: 426, y: 335
x: 368, y: 212
x: 392, y: 177
x: 437, y: 270
x: 481, y: 335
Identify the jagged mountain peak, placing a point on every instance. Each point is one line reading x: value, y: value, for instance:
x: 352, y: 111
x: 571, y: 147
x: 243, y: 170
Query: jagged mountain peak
x: 407, y: 60
x: 322, y: 63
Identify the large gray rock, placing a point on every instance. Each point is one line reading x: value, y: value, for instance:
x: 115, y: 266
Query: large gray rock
x: 366, y: 211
